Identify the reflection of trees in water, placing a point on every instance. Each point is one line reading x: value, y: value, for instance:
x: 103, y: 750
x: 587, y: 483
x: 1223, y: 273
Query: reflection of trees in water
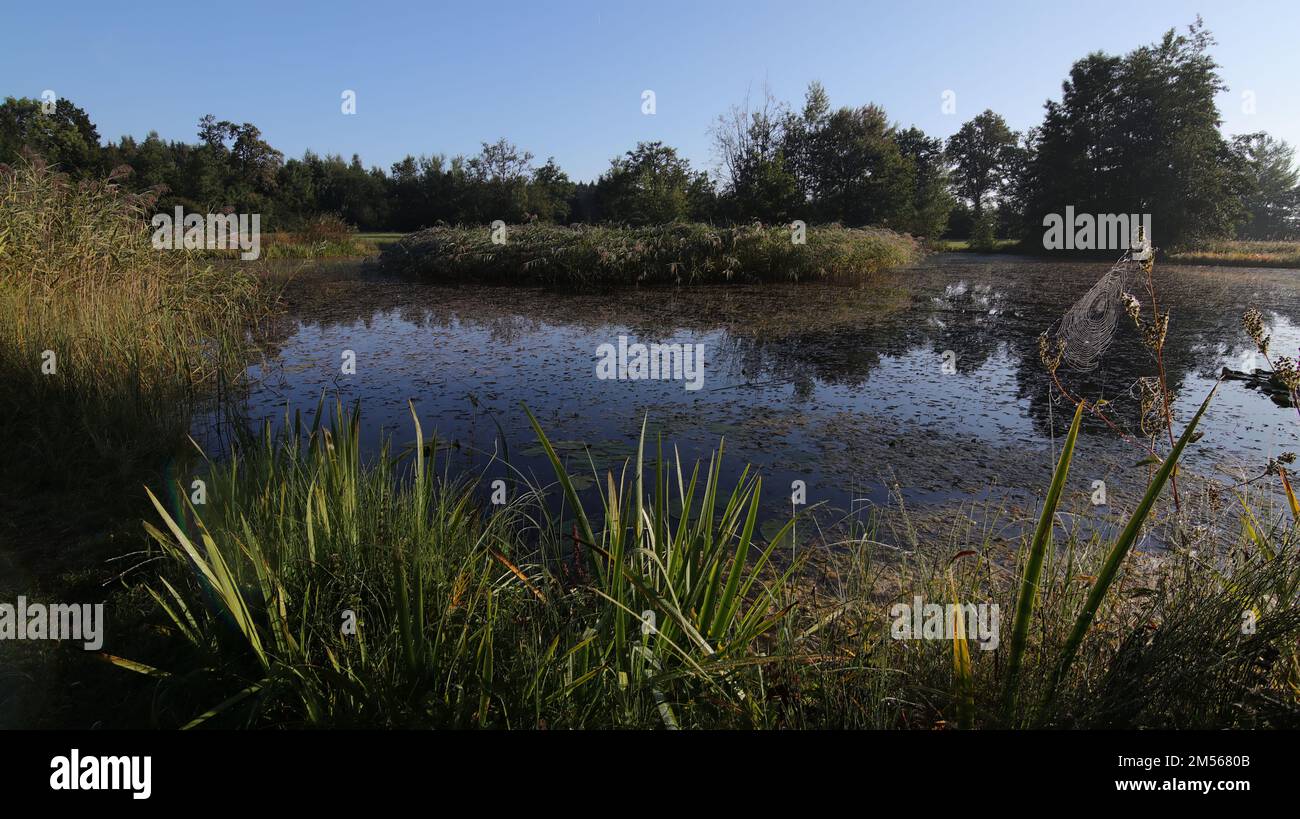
x: 805, y: 318
x: 809, y: 334
x: 970, y: 319
x: 802, y: 360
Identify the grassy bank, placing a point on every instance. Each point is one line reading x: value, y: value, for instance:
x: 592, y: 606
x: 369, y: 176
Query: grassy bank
x: 1234, y: 253
x: 1242, y: 253
x: 964, y: 246
x: 314, y: 589
x: 668, y: 254
x: 107, y: 346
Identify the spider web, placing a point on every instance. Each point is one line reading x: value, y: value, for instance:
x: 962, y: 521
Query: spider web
x: 1088, y: 328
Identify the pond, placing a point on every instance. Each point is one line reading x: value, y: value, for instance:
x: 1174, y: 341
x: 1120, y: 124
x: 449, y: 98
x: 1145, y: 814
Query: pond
x: 924, y: 384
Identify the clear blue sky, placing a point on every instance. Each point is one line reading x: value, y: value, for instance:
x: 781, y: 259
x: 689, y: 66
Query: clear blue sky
x: 566, y: 78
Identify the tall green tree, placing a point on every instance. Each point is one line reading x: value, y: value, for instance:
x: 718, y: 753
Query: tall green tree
x: 651, y: 184
x: 758, y: 182
x: 848, y: 165
x: 500, y: 174
x: 1272, y: 199
x: 862, y: 176
x: 251, y: 162
x: 981, y: 153
x: 64, y: 137
x: 550, y: 193
x: 1140, y: 134
x: 931, y: 202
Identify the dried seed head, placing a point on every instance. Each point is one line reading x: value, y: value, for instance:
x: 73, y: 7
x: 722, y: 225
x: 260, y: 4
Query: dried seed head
x: 1050, y: 351
x: 1133, y: 307
x: 1153, y: 334
x: 1152, y: 413
x: 1254, y: 324
x: 1286, y: 371
x: 1276, y: 466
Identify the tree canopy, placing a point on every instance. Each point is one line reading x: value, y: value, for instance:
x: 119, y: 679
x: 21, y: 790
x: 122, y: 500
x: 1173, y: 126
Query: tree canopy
x: 1133, y: 134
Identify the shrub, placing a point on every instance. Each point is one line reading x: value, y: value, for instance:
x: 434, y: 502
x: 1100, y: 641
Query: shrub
x: 983, y: 233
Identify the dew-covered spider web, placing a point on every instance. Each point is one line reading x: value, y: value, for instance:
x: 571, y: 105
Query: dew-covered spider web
x: 1088, y: 328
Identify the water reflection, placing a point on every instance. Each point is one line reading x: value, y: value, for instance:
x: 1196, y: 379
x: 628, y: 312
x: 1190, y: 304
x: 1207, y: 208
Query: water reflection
x: 840, y: 386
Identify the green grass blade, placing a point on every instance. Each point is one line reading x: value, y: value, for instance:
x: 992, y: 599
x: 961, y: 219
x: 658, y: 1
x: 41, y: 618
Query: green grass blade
x: 1034, y: 564
x: 1120, y: 550
x: 562, y: 475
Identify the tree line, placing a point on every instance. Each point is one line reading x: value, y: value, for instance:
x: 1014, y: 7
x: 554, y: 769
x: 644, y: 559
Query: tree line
x: 1138, y: 133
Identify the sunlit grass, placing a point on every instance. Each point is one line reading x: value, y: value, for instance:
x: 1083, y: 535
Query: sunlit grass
x: 105, y: 342
x: 1243, y: 253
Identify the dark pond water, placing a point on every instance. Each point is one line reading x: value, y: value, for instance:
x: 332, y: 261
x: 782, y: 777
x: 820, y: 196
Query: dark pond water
x: 842, y: 387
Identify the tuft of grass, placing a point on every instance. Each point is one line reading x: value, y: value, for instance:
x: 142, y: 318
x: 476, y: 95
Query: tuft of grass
x: 463, y: 616
x: 664, y: 254
x: 1033, y: 565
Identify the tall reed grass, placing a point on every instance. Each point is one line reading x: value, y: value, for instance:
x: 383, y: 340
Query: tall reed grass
x: 104, y: 341
x: 664, y: 254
